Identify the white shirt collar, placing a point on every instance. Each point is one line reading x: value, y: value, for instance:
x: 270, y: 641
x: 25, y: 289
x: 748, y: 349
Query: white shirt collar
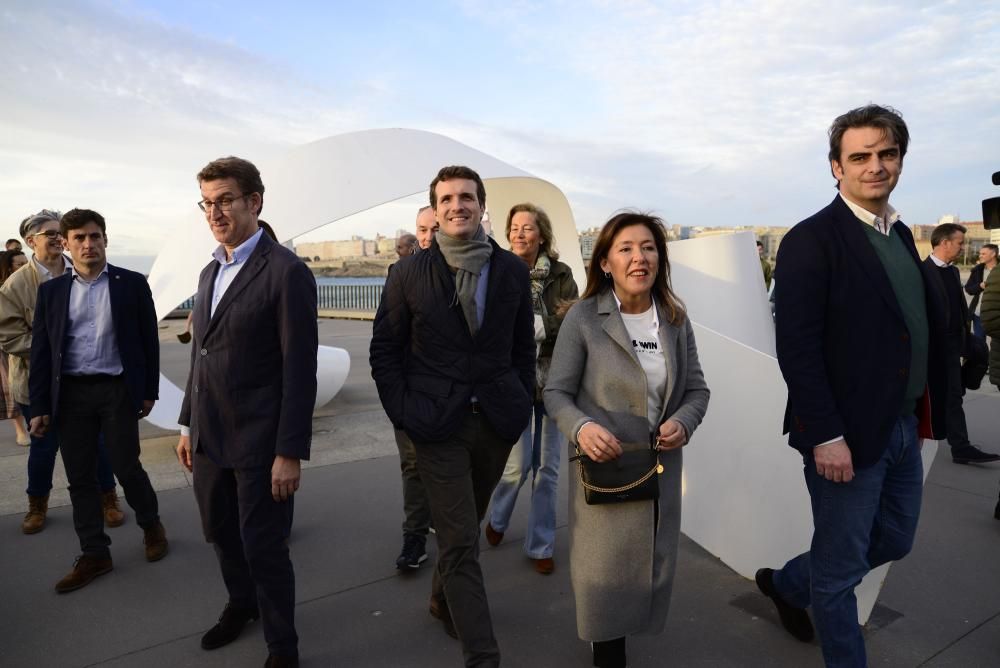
x: 869, y: 218
x: 938, y: 261
x: 45, y: 270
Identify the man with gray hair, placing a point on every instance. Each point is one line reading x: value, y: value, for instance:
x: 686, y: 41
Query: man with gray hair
x: 406, y: 245
x: 17, y: 309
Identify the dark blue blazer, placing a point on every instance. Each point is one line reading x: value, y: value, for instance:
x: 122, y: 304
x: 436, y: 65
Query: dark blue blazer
x: 252, y: 387
x: 842, y: 343
x: 134, y: 318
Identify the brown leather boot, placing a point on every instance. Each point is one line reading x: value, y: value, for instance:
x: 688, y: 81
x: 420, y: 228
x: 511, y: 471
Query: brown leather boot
x: 34, y: 521
x: 85, y: 569
x: 155, y: 539
x: 113, y: 516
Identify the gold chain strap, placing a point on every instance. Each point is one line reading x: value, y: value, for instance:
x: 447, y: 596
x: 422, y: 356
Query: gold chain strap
x: 657, y: 468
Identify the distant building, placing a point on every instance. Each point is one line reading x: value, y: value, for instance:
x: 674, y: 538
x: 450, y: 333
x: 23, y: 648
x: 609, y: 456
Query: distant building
x: 355, y: 247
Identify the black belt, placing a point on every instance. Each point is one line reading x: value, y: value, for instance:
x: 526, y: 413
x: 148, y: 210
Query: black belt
x: 92, y: 378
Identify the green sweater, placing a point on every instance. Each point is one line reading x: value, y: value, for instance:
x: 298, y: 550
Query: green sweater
x: 908, y: 286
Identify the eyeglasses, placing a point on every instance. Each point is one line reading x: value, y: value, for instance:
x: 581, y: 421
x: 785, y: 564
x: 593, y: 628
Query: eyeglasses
x: 48, y: 234
x: 224, y: 204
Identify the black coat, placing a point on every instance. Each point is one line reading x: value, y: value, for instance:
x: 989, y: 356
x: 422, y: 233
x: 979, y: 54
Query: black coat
x: 972, y: 286
x: 958, y: 309
x: 842, y: 343
x: 426, y: 364
x: 134, y: 318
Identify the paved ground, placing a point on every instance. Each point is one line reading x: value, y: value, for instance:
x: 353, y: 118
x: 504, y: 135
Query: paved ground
x: 940, y: 606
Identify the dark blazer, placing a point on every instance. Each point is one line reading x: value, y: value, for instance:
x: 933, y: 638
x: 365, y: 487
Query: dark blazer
x: 134, y: 318
x: 957, y: 308
x: 427, y: 365
x: 252, y: 385
x: 972, y: 286
x: 842, y: 343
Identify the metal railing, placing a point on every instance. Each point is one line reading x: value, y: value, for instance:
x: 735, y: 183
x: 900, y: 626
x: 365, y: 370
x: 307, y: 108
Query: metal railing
x: 336, y: 297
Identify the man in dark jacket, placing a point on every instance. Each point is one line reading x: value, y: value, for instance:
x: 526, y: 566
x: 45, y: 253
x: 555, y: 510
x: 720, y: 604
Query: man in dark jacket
x: 95, y: 368
x: 453, y: 357
x: 988, y: 256
x: 947, y: 242
x: 859, y: 336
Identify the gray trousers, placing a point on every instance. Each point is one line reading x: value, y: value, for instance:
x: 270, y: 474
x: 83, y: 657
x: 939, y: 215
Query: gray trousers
x: 416, y: 508
x: 460, y: 475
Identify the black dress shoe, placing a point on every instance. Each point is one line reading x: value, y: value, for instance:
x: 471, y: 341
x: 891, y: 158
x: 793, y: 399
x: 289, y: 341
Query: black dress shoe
x: 970, y: 454
x: 230, y: 625
x: 277, y: 661
x: 795, y: 620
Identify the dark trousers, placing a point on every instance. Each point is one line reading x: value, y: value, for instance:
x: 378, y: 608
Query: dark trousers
x: 460, y: 475
x: 42, y: 461
x: 249, y: 531
x: 89, y: 407
x: 416, y: 509
x: 958, y: 431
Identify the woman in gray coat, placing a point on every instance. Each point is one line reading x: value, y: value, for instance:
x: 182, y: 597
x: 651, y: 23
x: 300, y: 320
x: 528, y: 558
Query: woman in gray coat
x: 625, y: 372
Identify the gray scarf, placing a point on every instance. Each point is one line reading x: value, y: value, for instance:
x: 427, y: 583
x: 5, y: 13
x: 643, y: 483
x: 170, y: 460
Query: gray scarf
x: 467, y: 256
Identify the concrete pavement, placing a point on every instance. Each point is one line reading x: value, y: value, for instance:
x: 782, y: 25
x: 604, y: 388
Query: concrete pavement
x: 940, y: 606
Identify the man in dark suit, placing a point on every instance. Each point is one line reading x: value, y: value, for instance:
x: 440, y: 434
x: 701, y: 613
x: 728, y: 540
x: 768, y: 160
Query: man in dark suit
x: 453, y: 357
x: 95, y: 368
x: 947, y: 242
x: 860, y: 342
x: 247, y: 411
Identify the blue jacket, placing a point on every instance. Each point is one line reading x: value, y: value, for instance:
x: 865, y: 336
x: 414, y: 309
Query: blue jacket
x: 842, y: 343
x: 134, y: 318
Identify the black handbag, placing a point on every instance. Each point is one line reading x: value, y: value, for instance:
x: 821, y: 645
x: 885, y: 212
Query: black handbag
x: 631, y: 477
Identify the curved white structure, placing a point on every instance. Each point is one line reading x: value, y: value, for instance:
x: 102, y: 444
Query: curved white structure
x: 745, y: 500
x: 328, y: 180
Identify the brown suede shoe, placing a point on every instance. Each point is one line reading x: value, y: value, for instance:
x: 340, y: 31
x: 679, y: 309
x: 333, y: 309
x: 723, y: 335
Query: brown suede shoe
x: 544, y: 566
x: 113, y: 516
x: 85, y: 569
x: 34, y: 521
x: 493, y: 537
x: 155, y: 540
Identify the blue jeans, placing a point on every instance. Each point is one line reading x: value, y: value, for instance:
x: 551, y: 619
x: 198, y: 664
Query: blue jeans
x: 858, y: 526
x: 537, y: 452
x: 42, y: 461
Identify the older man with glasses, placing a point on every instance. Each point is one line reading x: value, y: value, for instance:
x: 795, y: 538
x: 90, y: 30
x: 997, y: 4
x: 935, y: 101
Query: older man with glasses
x: 17, y: 308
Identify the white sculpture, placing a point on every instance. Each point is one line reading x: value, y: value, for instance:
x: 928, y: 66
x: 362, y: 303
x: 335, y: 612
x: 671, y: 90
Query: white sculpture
x: 745, y: 500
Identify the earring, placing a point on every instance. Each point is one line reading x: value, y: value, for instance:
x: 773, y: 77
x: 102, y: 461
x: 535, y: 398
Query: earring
x: 607, y: 274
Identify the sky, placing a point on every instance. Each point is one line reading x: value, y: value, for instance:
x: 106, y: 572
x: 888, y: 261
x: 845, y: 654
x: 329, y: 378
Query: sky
x: 705, y: 113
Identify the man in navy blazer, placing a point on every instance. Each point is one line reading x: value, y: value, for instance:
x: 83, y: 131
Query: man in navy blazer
x: 95, y: 368
x: 247, y: 411
x: 860, y: 341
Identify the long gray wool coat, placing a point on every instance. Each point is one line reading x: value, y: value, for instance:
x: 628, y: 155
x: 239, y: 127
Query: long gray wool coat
x: 622, y: 576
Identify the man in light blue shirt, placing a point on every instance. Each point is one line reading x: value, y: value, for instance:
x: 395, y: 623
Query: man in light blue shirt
x: 95, y: 361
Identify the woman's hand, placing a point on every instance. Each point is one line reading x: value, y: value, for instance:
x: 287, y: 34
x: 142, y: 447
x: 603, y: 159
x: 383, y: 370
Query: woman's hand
x: 672, y: 435
x: 598, y: 443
